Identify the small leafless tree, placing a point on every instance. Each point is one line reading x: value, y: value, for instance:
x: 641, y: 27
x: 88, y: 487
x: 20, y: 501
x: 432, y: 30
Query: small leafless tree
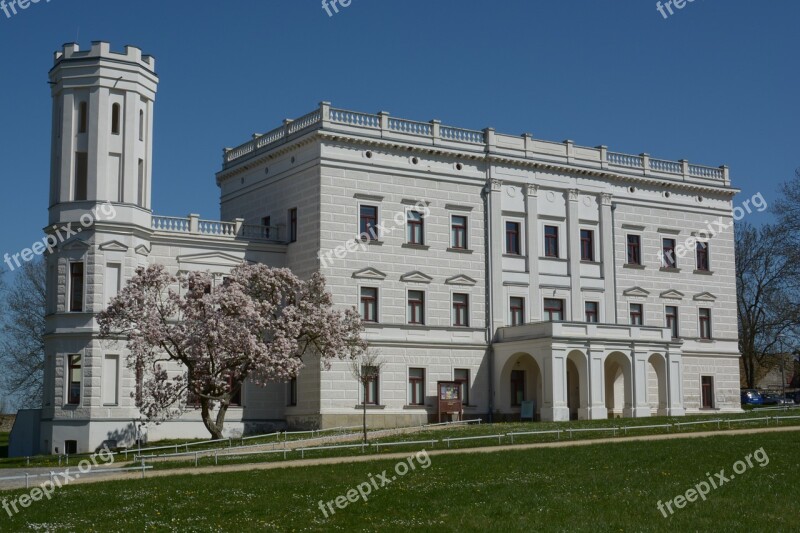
x: 366, y: 369
x: 22, y: 328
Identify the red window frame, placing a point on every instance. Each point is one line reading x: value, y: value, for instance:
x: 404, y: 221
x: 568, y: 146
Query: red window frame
x: 702, y: 256
x: 671, y: 314
x: 372, y: 387
x: 668, y: 259
x: 76, y: 279
x: 513, y: 244
x: 637, y: 314
x: 461, y: 310
x: 517, y: 309
x: 591, y: 310
x: 463, y: 382
x: 416, y: 307
x: 74, y: 363
x: 551, y: 241
x: 634, y: 250
x: 704, y: 316
x: 369, y: 304
x: 368, y: 222
x: 416, y: 227
x: 458, y: 231
x: 553, y: 306
x: 587, y: 245
x: 416, y: 385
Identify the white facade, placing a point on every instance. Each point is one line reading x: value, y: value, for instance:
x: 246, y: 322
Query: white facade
x: 314, y: 178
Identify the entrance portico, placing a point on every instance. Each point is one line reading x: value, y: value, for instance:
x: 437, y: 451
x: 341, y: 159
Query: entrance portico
x: 585, y: 371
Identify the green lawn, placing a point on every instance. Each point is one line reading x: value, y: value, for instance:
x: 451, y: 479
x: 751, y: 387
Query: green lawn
x: 609, y: 487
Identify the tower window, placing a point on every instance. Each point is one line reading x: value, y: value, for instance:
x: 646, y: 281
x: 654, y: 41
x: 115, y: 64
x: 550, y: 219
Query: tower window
x: 75, y: 378
x: 141, y: 125
x: 83, y: 117
x: 76, y: 287
x: 115, y: 119
x: 81, y: 176
x: 141, y: 182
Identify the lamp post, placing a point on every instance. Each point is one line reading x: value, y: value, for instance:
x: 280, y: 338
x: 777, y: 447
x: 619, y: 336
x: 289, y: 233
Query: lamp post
x: 782, y: 336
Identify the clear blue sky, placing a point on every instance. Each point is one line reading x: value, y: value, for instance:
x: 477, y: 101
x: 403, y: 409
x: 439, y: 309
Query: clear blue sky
x: 715, y: 83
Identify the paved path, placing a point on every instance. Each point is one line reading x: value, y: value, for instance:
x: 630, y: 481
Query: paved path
x: 401, y: 455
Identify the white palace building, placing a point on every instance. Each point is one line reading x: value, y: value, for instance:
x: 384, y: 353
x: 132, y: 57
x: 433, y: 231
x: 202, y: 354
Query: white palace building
x: 527, y: 270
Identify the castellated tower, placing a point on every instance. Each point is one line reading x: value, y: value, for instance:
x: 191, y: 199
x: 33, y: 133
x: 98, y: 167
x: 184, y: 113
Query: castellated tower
x: 101, y: 188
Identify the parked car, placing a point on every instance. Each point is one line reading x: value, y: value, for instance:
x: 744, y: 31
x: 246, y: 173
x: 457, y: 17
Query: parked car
x: 752, y: 397
x: 775, y: 399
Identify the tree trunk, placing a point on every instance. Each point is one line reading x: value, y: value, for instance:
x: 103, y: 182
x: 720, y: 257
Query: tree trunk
x: 213, y: 426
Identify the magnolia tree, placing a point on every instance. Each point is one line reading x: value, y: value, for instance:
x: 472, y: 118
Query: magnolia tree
x: 259, y: 324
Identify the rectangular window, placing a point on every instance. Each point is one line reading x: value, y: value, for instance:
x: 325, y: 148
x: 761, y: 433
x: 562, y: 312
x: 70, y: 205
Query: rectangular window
x: 266, y: 223
x: 141, y: 125
x: 702, y: 256
x: 513, y: 240
x: 292, y: 393
x: 458, y: 232
x: 668, y: 259
x: 587, y: 245
x: 671, y: 313
x: 81, y: 176
x: 461, y: 376
x: 517, y: 387
x: 369, y: 304
x: 416, y: 233
x: 112, y: 281
x: 293, y: 224
x: 705, y: 323
x: 74, y: 374
x: 83, y: 117
x: 416, y: 307
x: 553, y: 309
x: 141, y: 183
x: 634, y: 250
x: 111, y: 380
x: 416, y: 386
x: 368, y: 222
x: 76, y: 287
x: 591, y: 312
x: 551, y: 241
x: 707, y: 385
x: 636, y: 314
x: 461, y: 310
x: 115, y: 119
x: 517, y: 310
x: 371, y: 390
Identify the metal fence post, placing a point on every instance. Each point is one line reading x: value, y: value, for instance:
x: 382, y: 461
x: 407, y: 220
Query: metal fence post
x: 27, y: 482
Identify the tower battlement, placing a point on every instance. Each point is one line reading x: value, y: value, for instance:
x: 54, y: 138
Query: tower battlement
x: 102, y: 49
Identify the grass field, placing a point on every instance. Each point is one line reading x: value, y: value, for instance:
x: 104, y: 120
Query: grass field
x: 609, y: 487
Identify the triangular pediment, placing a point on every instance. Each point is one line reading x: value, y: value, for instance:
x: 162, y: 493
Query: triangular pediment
x: 113, y: 246
x: 637, y: 292
x: 218, y: 259
x: 461, y: 279
x: 705, y: 297
x: 672, y: 294
x: 369, y: 273
x: 142, y: 250
x: 75, y: 244
x: 416, y: 277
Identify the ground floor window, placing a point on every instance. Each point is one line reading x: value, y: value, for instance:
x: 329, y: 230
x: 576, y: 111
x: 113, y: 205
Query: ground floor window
x: 461, y: 376
x: 416, y: 386
x: 371, y: 391
x: 292, y: 396
x: 71, y: 447
x: 517, y: 387
x: 707, y: 385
